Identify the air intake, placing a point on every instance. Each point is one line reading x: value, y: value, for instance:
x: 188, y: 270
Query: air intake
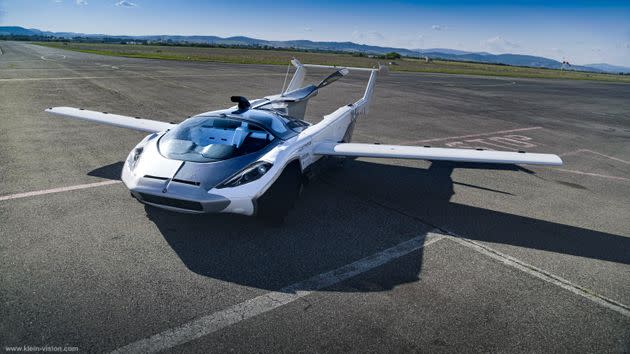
x: 172, y: 202
x: 243, y: 103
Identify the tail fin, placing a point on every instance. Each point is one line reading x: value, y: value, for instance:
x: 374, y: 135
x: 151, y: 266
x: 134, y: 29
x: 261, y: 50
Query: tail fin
x: 295, y: 97
x: 369, y: 89
x: 298, y: 77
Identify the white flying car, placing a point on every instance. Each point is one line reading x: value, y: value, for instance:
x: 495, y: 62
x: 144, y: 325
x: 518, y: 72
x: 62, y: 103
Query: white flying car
x: 250, y: 159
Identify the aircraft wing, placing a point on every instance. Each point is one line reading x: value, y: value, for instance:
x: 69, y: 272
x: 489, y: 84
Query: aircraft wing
x: 432, y: 154
x: 145, y: 125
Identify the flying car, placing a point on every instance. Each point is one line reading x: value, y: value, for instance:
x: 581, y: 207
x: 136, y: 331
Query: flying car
x: 251, y: 158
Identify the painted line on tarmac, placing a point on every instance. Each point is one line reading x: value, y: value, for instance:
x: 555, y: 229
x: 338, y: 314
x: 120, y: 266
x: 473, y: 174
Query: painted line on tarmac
x: 125, y: 77
x: 472, y: 135
x: 592, y: 174
x: 608, y: 157
x: 240, y: 312
x: 575, y: 152
x: 56, y: 57
x: 543, y: 275
x: 66, y: 78
x: 57, y: 190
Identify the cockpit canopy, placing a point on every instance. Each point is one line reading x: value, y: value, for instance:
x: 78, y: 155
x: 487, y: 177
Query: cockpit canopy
x: 208, y: 139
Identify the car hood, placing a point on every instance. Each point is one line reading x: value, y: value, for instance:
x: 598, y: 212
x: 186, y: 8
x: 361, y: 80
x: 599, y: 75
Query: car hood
x: 206, y: 175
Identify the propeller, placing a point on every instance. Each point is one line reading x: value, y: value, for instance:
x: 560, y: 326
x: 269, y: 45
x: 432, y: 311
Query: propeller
x: 333, y: 77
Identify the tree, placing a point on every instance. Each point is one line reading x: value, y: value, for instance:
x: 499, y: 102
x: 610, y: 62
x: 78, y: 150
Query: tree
x: 392, y: 55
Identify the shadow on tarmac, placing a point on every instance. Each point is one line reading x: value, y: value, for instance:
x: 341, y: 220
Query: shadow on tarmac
x: 111, y: 171
x: 246, y: 251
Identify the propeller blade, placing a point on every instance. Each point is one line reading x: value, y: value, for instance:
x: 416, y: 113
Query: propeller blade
x: 333, y: 77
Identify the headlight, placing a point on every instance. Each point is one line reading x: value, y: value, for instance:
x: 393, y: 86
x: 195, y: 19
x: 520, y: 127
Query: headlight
x: 134, y: 156
x: 246, y: 175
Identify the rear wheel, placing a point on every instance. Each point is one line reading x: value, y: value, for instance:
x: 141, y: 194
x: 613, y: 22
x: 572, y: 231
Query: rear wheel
x: 274, y: 205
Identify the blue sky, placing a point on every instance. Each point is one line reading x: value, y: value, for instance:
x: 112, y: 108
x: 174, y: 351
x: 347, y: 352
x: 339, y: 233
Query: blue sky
x: 579, y: 31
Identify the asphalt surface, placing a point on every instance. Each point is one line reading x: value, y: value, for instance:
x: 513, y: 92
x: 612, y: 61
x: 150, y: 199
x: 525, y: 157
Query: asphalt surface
x: 520, y: 259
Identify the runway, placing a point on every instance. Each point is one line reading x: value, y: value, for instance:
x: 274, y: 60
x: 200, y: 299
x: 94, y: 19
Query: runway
x: 377, y: 255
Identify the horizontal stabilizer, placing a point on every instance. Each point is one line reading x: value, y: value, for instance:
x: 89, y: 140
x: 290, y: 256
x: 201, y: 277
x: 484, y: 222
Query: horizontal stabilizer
x: 434, y: 154
x: 145, y: 125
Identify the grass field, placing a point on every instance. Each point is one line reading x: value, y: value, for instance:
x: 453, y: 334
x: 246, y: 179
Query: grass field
x: 282, y: 57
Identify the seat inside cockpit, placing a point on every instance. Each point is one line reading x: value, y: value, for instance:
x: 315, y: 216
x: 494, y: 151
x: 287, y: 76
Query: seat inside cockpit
x: 207, y: 139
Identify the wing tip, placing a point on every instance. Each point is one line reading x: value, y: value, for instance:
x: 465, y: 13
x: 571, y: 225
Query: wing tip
x: 52, y: 109
x: 545, y: 160
x: 557, y: 161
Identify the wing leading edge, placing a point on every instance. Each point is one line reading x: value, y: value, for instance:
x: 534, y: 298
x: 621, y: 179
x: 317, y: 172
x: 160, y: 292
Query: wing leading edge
x: 145, y: 125
x: 431, y: 153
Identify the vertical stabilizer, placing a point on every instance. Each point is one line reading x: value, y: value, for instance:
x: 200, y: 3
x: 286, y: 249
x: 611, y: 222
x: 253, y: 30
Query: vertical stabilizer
x: 298, y: 77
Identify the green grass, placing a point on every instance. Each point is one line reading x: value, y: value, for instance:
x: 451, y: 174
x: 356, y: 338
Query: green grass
x: 282, y: 57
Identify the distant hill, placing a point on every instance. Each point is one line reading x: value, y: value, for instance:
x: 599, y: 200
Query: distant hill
x: 511, y: 59
x: 434, y: 53
x: 17, y: 31
x: 610, y: 68
x: 443, y: 50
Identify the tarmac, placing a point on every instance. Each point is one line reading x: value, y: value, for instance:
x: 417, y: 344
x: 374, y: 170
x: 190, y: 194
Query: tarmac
x: 377, y: 255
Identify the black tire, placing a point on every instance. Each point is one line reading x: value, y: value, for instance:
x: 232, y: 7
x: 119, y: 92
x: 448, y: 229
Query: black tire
x: 274, y: 205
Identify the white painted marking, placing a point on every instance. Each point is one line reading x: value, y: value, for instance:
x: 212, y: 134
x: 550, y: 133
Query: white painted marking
x: 272, y: 300
x: 543, y: 275
x: 472, y: 135
x: 520, y: 141
x: 592, y: 174
x: 57, y: 190
x: 574, y: 152
x: 568, y: 153
x: 57, y: 56
x: 64, y: 78
x: 609, y: 157
x: 503, y: 142
x: 136, y: 76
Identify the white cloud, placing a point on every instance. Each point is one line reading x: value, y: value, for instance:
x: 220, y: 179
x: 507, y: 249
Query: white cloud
x: 499, y: 44
x: 439, y: 27
x: 308, y: 29
x: 368, y: 36
x: 125, y: 3
x: 81, y: 2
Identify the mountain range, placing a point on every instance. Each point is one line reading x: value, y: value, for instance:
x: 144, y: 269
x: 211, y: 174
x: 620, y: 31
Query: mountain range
x: 434, y: 53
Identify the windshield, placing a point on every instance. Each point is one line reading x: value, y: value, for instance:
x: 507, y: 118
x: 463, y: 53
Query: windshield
x: 281, y: 111
x: 208, y: 139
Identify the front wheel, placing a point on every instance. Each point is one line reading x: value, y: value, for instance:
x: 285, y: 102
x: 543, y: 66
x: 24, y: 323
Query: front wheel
x: 274, y: 205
